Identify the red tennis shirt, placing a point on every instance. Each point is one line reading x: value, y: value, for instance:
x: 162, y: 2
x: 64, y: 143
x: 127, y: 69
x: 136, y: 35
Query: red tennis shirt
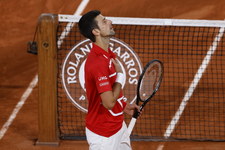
x: 100, y: 75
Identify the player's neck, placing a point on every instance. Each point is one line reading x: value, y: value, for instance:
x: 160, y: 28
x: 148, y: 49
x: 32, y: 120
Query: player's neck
x: 103, y: 43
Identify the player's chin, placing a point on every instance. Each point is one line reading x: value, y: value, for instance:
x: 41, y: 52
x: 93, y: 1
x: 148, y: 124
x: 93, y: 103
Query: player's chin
x: 112, y: 33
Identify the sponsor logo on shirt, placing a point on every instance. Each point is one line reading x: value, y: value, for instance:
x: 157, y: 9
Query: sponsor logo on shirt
x: 73, y: 71
x: 102, y: 78
x: 104, y: 84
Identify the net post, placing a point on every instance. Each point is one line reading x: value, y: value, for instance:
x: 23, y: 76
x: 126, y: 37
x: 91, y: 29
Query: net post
x: 47, y: 80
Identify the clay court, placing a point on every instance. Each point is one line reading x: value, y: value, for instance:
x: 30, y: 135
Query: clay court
x: 18, y: 68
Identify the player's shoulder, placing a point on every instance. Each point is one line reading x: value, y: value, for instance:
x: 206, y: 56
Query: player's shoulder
x: 94, y: 64
x: 95, y: 60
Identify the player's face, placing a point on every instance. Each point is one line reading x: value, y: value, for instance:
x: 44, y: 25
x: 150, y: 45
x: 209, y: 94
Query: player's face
x: 105, y: 26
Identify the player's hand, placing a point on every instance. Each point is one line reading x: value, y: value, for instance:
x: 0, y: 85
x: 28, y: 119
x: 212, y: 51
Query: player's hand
x: 130, y: 108
x: 117, y: 65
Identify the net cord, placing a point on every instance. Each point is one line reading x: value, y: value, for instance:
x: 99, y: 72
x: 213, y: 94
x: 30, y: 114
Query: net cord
x: 151, y: 21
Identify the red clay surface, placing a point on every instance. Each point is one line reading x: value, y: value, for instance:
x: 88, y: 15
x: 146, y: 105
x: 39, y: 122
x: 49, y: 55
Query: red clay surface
x: 18, y: 68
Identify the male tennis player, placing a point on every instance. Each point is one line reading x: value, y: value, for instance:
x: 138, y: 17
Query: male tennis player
x: 105, y: 127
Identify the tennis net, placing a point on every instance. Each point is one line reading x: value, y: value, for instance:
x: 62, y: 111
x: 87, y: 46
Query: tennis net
x: 190, y: 103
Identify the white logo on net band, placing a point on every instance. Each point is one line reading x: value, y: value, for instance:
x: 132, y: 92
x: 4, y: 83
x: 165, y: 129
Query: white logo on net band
x: 73, y: 70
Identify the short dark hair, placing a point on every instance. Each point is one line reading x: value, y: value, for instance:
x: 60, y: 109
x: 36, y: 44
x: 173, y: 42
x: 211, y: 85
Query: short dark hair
x: 87, y: 23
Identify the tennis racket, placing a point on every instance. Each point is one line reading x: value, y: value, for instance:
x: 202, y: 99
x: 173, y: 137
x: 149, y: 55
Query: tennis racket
x: 148, y: 84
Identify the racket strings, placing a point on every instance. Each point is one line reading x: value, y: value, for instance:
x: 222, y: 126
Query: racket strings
x: 150, y: 80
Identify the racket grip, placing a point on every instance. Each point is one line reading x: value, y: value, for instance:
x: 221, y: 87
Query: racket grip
x: 131, y: 126
x: 136, y: 114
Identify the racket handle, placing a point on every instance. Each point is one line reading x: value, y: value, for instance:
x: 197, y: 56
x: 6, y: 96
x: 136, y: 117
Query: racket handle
x: 136, y: 114
x: 131, y: 126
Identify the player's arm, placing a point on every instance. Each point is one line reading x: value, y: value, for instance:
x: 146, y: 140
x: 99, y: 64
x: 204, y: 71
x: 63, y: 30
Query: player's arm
x: 109, y: 98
